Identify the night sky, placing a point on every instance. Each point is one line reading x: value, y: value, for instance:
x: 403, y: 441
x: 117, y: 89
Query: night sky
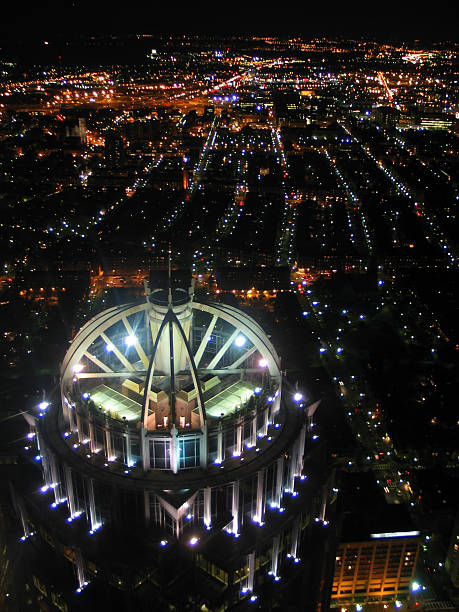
x: 379, y: 19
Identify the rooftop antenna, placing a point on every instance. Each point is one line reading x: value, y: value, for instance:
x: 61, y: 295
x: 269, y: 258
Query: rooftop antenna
x: 169, y: 279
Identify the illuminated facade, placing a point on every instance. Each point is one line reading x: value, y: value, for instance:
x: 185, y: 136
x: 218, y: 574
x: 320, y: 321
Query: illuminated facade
x: 379, y: 569
x: 452, y: 556
x: 175, y: 433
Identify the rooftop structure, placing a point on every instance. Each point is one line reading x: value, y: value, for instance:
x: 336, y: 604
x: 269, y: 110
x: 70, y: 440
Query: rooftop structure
x: 178, y: 406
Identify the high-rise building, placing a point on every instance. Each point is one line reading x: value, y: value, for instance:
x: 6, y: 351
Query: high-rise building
x: 113, y: 149
x: 380, y: 568
x: 177, y: 467
x: 452, y: 557
x: 378, y: 551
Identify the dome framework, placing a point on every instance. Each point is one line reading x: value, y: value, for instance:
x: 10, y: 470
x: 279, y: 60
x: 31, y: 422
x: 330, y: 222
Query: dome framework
x: 179, y: 407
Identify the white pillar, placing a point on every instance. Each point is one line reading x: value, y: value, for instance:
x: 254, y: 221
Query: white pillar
x: 45, y: 464
x: 254, y: 429
x: 292, y: 466
x: 324, y: 501
x: 203, y: 447
x: 66, y: 411
x: 275, y: 554
x: 207, y: 507
x: 92, y: 506
x: 277, y: 400
x: 56, y: 484
x: 72, y: 420
x: 235, y: 508
x: 92, y: 435
x: 295, y: 537
x: 80, y: 568
x: 78, y: 425
x: 266, y: 420
x: 127, y: 438
x: 146, y: 501
x: 238, y: 447
x: 174, y: 450
x: 279, y: 481
x: 259, y: 508
x: 300, y: 456
x: 22, y: 515
x: 220, y: 455
x: 251, y: 576
x: 108, y: 443
x: 144, y: 448
x: 69, y: 488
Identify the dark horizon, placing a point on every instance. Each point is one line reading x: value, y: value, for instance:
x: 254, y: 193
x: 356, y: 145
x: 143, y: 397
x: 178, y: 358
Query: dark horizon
x: 388, y: 21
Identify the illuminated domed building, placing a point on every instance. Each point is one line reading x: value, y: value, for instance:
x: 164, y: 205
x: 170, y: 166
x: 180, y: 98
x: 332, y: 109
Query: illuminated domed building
x: 175, y: 466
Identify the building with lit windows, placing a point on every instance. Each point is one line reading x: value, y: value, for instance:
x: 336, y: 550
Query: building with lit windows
x: 176, y: 465
x: 452, y: 556
x: 378, y: 551
x: 378, y: 569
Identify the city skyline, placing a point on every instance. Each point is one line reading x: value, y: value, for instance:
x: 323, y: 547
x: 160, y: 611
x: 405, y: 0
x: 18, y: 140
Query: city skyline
x: 389, y: 20
x: 228, y: 290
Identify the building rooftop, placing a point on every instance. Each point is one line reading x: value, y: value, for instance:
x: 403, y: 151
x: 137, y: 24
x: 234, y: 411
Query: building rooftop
x: 369, y: 515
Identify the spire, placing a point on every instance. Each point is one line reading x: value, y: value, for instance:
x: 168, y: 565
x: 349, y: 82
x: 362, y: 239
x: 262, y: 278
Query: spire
x: 169, y: 280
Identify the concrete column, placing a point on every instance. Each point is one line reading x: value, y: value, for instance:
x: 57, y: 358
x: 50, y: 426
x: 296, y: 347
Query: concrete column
x: 174, y: 450
x: 238, y: 447
x: 253, y: 441
x: 78, y: 425
x: 275, y: 554
x: 69, y: 488
x: 276, y: 402
x: 207, y: 507
x: 71, y: 415
x: 66, y: 411
x: 80, y: 569
x: 301, y: 446
x: 251, y: 576
x: 259, y: 508
x: 324, y: 502
x: 22, y: 515
x: 92, y: 434
x: 203, y: 447
x: 39, y: 441
x: 144, y: 448
x: 127, y: 438
x: 220, y: 453
x: 108, y: 443
x: 56, y: 481
x: 92, y: 506
x: 295, y: 537
x: 279, y: 481
x: 235, y: 508
x: 292, y: 466
x: 266, y: 420
x: 146, y: 501
x: 45, y: 465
